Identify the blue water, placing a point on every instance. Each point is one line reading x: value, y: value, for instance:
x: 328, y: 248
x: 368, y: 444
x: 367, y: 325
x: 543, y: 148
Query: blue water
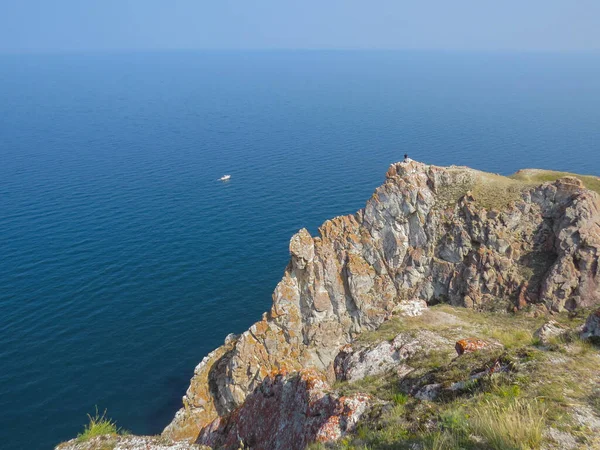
x: 123, y: 261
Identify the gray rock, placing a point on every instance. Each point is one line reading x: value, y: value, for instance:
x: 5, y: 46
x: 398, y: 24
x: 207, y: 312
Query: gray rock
x: 549, y: 331
x: 352, y: 365
x: 559, y: 440
x: 128, y: 442
x: 592, y: 326
x: 429, y: 392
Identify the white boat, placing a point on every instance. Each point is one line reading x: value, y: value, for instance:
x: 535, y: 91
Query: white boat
x: 225, y: 178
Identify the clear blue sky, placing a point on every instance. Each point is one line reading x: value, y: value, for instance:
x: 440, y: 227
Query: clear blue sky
x: 82, y: 25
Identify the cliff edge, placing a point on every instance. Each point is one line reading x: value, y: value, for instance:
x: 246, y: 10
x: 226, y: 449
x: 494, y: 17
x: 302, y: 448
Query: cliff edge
x: 428, y: 235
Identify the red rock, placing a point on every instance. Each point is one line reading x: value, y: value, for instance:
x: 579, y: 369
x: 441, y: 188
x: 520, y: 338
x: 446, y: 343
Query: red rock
x: 469, y: 345
x: 522, y: 299
x: 286, y: 412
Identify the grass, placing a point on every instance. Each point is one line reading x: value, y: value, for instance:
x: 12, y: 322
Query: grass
x: 514, y: 426
x: 98, y: 425
x: 504, y: 410
x: 399, y: 399
x: 510, y: 339
x: 594, y: 400
x: 389, y: 329
x: 535, y: 176
x: 496, y: 192
x: 493, y: 191
x: 443, y: 440
x: 450, y: 194
x: 383, y: 387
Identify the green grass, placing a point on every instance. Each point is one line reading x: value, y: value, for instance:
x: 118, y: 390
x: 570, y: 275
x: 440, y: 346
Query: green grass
x: 593, y: 400
x: 399, y: 398
x: 444, y: 440
x: 382, y: 386
x: 98, y: 425
x: 517, y: 425
x: 510, y: 338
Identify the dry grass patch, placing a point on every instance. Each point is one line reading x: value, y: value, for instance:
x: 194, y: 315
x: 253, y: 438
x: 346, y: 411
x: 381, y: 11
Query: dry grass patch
x: 496, y: 192
x: 493, y: 191
x: 538, y: 176
x: 517, y: 425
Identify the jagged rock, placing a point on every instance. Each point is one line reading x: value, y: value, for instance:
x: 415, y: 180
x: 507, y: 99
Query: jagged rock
x: 592, y: 326
x: 548, y: 331
x: 302, y: 249
x: 470, y: 345
x: 424, y: 235
x: 200, y: 407
x: 351, y: 365
x: 231, y: 338
x: 286, y: 412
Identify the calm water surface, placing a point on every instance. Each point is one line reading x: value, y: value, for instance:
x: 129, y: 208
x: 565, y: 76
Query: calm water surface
x: 123, y: 261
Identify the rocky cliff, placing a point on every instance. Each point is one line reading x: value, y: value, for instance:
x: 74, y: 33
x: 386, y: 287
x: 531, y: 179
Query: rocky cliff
x: 428, y: 235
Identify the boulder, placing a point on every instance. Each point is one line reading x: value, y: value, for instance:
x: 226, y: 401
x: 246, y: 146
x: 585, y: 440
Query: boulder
x: 353, y: 364
x: 549, y: 331
x: 591, y: 329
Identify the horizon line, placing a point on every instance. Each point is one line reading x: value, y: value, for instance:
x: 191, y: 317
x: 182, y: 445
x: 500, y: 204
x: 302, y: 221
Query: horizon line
x: 19, y: 52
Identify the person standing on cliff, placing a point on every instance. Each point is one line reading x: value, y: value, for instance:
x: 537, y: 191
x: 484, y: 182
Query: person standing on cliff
x: 406, y: 157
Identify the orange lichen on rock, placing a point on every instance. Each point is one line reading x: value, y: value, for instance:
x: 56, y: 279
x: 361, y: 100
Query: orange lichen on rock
x: 470, y: 345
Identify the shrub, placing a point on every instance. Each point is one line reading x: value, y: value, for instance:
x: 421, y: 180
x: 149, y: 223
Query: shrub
x: 399, y: 398
x: 98, y: 425
x: 444, y: 440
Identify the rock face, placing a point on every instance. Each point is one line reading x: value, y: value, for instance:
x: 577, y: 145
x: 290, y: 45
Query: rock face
x: 424, y: 236
x: 296, y: 406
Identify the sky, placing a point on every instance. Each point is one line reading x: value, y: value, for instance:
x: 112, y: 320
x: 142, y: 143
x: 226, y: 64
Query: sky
x: 472, y: 25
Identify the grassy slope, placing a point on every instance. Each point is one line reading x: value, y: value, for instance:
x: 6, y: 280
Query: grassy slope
x: 536, y: 176
x: 535, y: 404
x: 494, y: 191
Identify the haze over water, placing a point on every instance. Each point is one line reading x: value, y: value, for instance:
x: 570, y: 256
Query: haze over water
x: 123, y: 261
